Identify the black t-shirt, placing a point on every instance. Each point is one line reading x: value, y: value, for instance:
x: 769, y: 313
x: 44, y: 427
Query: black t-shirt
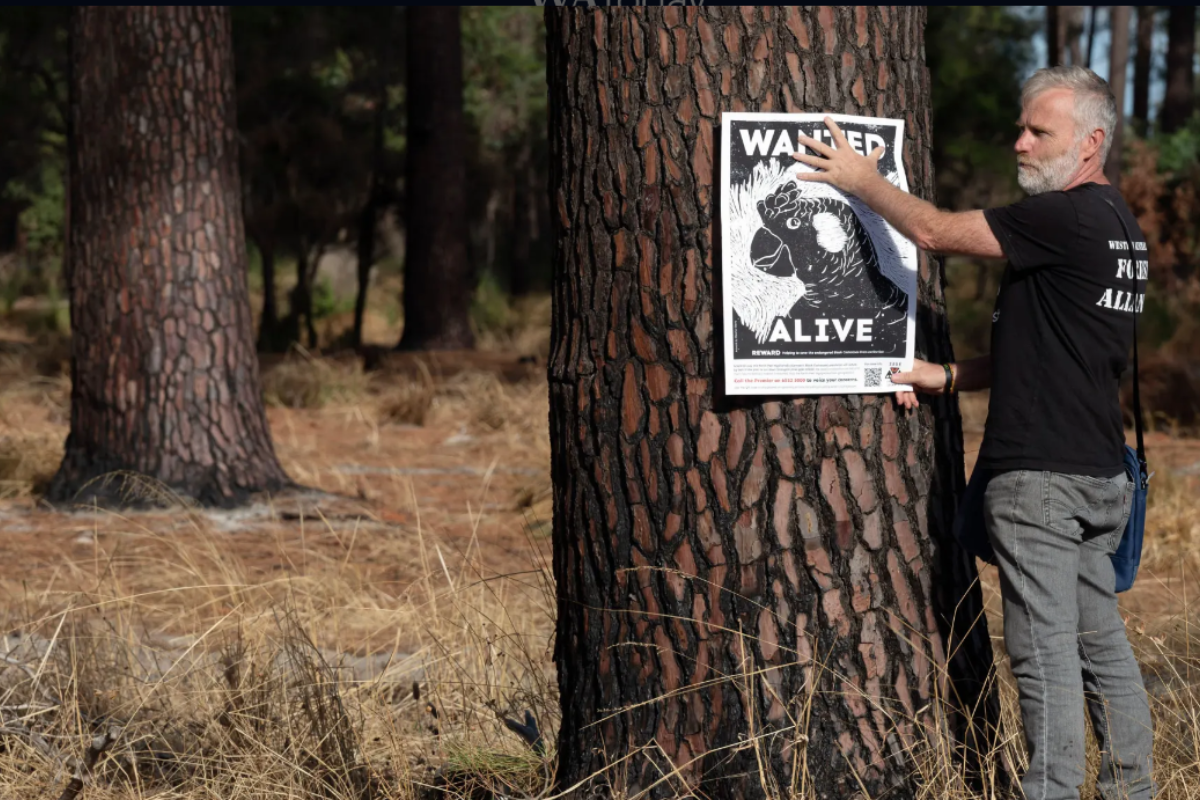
x: 1062, y: 331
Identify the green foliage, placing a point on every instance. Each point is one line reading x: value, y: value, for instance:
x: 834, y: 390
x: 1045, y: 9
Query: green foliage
x: 976, y: 55
x: 490, y: 309
x: 1179, y: 152
x: 43, y: 194
x: 504, y: 73
x: 326, y: 303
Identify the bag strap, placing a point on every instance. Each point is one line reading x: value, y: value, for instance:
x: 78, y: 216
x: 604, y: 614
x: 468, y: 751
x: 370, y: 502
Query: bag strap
x: 1137, y: 399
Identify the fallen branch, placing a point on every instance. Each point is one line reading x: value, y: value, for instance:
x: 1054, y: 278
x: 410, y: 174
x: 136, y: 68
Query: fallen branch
x: 83, y: 769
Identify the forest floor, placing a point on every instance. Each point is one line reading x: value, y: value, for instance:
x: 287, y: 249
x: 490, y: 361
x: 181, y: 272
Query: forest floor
x: 410, y: 584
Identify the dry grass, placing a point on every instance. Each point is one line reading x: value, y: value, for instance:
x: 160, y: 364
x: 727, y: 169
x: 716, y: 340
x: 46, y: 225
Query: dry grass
x: 302, y: 380
x: 258, y: 692
x: 343, y: 657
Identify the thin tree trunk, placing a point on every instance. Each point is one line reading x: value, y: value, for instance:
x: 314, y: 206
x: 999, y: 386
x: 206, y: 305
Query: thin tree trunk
x: 1118, y: 62
x: 369, y: 217
x: 164, y: 377
x: 439, y: 281
x: 1072, y: 18
x: 1141, y: 68
x: 755, y: 597
x: 520, y: 271
x: 268, y: 325
x: 1091, y: 36
x: 1054, y: 36
x: 1181, y: 52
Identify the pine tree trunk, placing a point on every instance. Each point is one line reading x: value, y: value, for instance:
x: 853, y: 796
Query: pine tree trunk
x: 369, y: 217
x: 1072, y: 17
x: 758, y: 594
x: 1118, y: 63
x: 438, y: 279
x: 1181, y: 51
x: 164, y: 373
x: 1141, y: 68
x: 268, y: 324
x: 1054, y: 36
x: 524, y: 198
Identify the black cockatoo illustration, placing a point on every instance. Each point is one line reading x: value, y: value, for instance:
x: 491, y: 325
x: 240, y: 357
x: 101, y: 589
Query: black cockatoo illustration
x: 822, y: 242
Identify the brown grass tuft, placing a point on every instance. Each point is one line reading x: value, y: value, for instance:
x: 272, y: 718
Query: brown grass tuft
x: 302, y: 380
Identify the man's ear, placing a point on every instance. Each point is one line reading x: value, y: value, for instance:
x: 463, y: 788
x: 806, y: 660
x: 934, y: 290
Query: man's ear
x: 1093, y: 143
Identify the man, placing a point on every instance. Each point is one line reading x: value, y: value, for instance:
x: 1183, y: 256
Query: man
x: 1058, y: 498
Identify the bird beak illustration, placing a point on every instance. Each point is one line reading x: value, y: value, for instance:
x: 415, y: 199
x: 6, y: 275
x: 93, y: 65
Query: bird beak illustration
x: 769, y: 254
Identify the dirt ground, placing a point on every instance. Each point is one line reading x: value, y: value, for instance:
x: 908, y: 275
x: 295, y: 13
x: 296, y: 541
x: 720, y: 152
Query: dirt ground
x: 392, y: 501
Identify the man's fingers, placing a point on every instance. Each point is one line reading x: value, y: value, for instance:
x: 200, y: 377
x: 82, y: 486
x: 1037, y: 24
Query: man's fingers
x: 812, y: 161
x: 815, y: 177
x: 902, y: 377
x: 814, y: 145
x: 838, y: 137
x: 876, y: 154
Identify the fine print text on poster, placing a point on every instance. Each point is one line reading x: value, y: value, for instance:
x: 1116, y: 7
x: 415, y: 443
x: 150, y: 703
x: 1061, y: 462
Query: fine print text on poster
x: 819, y: 291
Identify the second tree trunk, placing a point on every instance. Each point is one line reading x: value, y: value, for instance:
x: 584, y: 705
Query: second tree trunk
x: 439, y: 281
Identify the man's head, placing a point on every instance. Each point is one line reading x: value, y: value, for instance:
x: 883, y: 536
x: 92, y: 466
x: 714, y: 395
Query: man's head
x: 1067, y: 119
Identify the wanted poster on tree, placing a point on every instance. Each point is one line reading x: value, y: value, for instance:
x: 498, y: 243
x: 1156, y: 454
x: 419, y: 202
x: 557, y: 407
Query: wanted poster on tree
x: 819, y: 291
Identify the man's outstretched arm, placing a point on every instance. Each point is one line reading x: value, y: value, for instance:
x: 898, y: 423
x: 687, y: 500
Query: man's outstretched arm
x: 972, y: 375
x: 927, y: 226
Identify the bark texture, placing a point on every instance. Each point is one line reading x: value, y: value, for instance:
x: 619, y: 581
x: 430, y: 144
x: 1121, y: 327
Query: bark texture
x: 755, y: 595
x: 164, y: 374
x: 1181, y: 80
x: 438, y: 279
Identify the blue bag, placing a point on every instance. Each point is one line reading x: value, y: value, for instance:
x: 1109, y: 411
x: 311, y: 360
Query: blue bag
x: 971, y: 532
x: 1128, y: 556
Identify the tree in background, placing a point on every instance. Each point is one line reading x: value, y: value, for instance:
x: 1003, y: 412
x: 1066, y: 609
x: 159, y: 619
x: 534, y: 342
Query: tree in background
x: 504, y: 51
x: 1181, y: 80
x: 306, y: 98
x: 164, y: 374
x: 755, y: 597
x: 976, y: 55
x: 1118, y: 60
x: 32, y: 150
x: 381, y: 66
x: 1142, y: 63
x: 439, y: 279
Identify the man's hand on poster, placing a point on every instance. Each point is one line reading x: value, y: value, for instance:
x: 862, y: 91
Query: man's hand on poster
x: 924, y: 377
x: 838, y: 165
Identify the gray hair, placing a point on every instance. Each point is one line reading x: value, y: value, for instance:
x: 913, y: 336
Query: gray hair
x: 1095, y: 106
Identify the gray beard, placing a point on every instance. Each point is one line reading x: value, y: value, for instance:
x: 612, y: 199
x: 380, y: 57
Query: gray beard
x: 1052, y: 176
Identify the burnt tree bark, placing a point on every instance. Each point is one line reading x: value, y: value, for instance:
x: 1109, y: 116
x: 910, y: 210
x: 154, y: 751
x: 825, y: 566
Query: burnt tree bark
x: 1181, y: 80
x: 750, y: 591
x: 438, y: 279
x: 164, y: 377
x: 1141, y: 68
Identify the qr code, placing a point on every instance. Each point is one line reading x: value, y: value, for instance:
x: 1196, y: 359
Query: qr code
x: 872, y: 376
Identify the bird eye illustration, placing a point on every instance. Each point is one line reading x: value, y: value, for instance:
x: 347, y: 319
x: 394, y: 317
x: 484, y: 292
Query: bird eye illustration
x: 793, y: 223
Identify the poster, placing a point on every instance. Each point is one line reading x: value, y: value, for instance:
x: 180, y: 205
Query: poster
x: 819, y: 292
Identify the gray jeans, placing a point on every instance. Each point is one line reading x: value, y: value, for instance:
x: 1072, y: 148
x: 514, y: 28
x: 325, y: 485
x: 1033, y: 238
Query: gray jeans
x: 1053, y: 534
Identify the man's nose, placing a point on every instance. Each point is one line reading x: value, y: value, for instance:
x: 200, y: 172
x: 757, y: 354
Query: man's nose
x: 1024, y: 143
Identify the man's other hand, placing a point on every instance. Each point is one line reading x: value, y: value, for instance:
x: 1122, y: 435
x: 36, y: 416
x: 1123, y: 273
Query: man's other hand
x: 924, y: 377
x: 838, y: 165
